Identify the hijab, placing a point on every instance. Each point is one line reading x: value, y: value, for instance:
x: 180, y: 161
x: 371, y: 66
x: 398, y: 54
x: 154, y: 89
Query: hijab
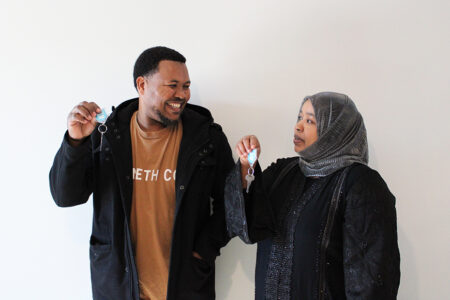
x: 342, y: 138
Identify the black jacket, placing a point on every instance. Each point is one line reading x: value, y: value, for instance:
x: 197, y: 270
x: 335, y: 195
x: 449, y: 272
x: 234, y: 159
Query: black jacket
x: 199, y: 225
x: 358, y: 256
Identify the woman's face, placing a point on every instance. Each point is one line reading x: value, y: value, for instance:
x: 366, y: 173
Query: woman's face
x: 305, y: 131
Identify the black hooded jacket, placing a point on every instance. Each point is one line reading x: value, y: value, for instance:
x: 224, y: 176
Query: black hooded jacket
x: 199, y: 225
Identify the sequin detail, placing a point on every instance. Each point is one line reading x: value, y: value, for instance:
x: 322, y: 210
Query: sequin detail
x: 279, y: 269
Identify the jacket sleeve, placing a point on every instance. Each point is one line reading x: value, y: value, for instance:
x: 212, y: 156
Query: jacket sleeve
x: 214, y: 234
x: 370, y: 248
x: 252, y: 216
x: 71, y: 174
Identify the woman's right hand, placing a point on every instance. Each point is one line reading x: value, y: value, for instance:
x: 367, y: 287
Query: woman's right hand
x: 245, y: 146
x: 81, y: 121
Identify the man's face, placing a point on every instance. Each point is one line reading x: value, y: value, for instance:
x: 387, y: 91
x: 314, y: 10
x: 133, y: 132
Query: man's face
x: 164, y: 94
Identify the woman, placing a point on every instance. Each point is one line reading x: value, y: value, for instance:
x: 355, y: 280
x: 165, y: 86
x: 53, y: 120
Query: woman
x: 324, y: 221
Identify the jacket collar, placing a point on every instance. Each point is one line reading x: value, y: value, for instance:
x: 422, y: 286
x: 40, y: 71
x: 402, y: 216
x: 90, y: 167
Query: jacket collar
x: 195, y: 120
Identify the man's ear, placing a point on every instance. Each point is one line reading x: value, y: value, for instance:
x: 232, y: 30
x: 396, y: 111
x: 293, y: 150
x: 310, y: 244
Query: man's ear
x: 140, y: 85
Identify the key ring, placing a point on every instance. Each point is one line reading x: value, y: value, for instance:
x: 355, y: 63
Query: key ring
x: 250, y: 171
x: 102, y: 128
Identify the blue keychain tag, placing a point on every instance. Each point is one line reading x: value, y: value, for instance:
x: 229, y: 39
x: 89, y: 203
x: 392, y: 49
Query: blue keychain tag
x: 251, y: 157
x: 101, y: 117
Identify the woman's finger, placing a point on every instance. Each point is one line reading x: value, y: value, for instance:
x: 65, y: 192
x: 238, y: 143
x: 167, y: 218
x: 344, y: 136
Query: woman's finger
x: 246, y: 142
x: 240, y: 148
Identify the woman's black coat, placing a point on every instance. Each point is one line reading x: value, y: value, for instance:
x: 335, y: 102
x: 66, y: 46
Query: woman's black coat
x: 359, y: 256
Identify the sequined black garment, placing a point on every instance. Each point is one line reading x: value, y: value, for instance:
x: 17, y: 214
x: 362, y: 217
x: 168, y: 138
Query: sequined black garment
x: 279, y: 271
x: 356, y: 257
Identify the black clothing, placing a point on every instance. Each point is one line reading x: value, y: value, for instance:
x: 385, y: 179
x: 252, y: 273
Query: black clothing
x: 344, y: 243
x: 204, y: 160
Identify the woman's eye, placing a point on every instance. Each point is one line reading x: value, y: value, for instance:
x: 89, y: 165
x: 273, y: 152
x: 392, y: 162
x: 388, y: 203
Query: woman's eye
x: 299, y: 118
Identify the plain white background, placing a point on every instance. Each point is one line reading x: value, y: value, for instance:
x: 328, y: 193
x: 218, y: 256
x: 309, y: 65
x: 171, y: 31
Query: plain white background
x: 251, y: 63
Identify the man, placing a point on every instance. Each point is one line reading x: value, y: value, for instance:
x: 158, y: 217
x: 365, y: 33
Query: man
x: 157, y: 177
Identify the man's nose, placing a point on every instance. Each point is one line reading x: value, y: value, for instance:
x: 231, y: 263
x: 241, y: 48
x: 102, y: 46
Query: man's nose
x: 180, y: 93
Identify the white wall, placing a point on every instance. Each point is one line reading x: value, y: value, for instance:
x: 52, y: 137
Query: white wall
x: 251, y: 63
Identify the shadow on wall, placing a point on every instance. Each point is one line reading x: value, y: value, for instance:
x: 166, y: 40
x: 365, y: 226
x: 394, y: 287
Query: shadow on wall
x: 236, y: 255
x: 408, y: 285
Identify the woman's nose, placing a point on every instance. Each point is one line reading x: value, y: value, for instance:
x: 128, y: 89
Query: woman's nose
x: 299, y: 126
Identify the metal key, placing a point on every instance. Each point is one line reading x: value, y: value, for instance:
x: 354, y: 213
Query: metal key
x: 251, y: 158
x: 102, y: 128
x: 249, y: 178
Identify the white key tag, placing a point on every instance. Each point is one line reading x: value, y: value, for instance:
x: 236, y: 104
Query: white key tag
x: 251, y: 158
x: 102, y: 128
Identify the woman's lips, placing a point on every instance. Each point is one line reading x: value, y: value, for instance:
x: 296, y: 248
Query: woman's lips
x: 298, y: 140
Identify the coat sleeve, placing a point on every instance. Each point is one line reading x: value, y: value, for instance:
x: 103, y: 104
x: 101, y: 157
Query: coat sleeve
x: 214, y: 234
x: 252, y: 216
x: 370, y: 248
x: 71, y: 174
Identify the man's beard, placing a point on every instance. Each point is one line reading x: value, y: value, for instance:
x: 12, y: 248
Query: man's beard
x: 166, y: 122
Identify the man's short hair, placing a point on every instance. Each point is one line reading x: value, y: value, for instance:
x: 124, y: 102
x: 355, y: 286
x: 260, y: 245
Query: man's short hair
x: 147, y: 62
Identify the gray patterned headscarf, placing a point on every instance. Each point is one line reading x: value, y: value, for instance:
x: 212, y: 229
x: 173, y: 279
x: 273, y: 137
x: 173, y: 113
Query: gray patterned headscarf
x: 342, y: 138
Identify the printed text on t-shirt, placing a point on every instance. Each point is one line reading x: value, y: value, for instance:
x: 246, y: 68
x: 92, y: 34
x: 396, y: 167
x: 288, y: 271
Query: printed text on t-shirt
x: 153, y: 175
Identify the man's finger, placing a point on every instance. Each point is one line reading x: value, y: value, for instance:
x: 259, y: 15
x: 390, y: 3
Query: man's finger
x: 77, y: 118
x: 83, y: 111
x: 94, y: 108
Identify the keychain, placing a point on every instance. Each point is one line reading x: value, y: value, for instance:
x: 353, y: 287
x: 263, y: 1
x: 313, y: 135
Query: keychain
x: 251, y: 158
x: 102, y: 128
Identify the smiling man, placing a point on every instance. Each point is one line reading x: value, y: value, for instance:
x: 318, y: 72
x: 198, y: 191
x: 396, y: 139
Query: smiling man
x: 157, y: 178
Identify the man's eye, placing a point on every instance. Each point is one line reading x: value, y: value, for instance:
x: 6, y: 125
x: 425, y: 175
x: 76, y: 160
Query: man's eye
x: 186, y: 87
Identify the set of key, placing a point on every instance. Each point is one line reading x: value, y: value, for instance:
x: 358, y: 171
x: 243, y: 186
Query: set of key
x: 102, y: 128
x: 251, y: 158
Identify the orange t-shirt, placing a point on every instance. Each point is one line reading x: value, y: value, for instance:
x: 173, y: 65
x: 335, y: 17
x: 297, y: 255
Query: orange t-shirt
x: 155, y: 155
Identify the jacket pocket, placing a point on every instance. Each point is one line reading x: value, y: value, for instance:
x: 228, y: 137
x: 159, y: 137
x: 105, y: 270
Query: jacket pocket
x: 202, y: 278
x: 200, y: 266
x: 99, y: 252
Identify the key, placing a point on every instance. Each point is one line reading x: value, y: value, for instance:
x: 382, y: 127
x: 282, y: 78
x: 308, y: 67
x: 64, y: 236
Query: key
x: 249, y: 178
x: 102, y: 128
x: 251, y: 158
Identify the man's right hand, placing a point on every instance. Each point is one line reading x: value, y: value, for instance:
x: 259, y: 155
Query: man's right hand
x: 81, y: 121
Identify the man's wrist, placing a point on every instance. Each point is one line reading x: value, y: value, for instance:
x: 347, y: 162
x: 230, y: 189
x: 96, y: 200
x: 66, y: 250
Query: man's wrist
x: 74, y: 142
